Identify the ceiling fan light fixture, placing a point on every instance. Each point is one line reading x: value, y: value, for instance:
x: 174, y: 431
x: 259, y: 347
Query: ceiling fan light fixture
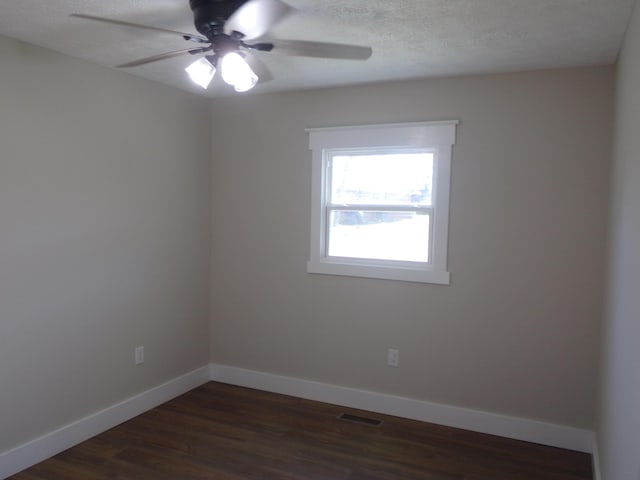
x: 237, y: 72
x: 201, y: 72
x: 225, y: 26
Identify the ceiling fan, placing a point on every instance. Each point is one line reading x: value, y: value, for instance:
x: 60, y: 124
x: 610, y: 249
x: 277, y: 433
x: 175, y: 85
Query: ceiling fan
x: 225, y: 27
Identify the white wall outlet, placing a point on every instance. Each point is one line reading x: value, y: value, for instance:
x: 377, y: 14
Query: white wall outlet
x: 393, y: 357
x: 139, y: 355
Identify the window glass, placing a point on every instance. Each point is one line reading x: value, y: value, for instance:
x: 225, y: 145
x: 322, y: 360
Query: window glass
x: 382, y: 235
x: 382, y: 179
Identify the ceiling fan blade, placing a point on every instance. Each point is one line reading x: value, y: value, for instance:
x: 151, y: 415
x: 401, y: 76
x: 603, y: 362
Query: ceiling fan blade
x: 254, y: 18
x: 186, y: 36
x: 259, y: 67
x: 163, y: 56
x: 302, y: 48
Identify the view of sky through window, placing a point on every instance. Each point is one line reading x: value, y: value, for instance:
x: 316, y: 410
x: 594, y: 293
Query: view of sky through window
x: 382, y: 179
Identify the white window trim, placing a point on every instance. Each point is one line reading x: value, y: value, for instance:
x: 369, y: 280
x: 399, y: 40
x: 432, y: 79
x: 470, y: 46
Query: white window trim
x: 439, y: 136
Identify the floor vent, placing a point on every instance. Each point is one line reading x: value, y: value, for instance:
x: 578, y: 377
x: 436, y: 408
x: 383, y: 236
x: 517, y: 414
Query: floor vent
x: 370, y: 422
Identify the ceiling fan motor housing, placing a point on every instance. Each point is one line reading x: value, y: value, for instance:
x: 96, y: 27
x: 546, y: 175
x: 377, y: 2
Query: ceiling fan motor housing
x: 210, y: 15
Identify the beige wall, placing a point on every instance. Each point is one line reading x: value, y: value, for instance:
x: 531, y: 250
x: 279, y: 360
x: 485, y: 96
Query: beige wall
x: 104, y: 238
x: 618, y: 427
x: 515, y: 333
x: 105, y: 242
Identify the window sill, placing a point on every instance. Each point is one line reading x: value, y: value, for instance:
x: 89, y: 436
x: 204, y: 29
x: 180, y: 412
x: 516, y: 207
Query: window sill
x: 405, y: 274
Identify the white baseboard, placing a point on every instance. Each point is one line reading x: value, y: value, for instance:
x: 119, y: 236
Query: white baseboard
x: 505, y: 426
x: 35, y: 451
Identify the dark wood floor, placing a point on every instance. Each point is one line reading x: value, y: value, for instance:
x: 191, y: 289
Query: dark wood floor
x: 223, y: 432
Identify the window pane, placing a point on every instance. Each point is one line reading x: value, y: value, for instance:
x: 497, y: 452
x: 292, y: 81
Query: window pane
x: 379, y: 235
x: 382, y: 179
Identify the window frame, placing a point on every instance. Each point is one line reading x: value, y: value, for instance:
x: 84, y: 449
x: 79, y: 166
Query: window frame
x: 436, y: 137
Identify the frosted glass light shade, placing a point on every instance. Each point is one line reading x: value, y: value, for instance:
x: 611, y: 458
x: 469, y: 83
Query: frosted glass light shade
x: 237, y: 72
x: 201, y: 72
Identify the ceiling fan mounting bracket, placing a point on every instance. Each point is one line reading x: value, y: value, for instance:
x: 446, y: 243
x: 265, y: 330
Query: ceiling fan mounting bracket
x: 210, y: 15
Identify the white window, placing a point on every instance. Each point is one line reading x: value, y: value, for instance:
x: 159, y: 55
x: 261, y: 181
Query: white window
x: 380, y: 201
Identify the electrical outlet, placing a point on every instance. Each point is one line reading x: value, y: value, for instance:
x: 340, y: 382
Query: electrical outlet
x: 393, y: 357
x: 139, y: 355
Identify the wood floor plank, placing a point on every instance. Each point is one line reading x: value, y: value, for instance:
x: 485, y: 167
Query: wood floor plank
x: 224, y: 432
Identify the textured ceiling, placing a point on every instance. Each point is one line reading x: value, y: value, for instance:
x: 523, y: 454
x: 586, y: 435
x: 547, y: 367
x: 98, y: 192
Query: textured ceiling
x: 410, y: 38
